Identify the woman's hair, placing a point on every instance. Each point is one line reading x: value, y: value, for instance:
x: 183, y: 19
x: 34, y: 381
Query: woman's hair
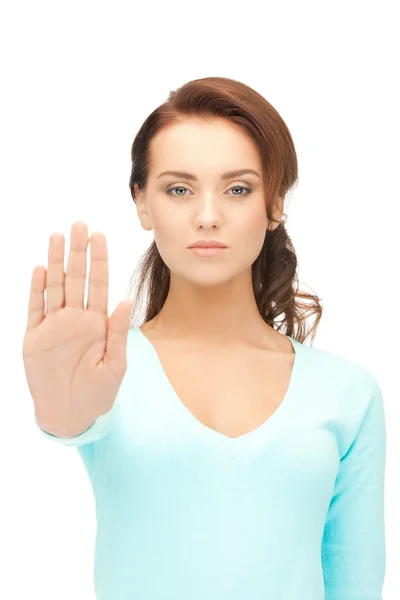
x: 274, y: 276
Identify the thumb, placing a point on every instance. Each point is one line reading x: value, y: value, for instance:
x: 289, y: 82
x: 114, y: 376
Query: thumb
x: 117, y: 333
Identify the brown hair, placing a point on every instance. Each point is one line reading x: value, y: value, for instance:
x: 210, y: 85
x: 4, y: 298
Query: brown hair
x: 274, y: 277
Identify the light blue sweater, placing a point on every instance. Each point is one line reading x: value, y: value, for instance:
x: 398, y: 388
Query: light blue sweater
x: 293, y: 510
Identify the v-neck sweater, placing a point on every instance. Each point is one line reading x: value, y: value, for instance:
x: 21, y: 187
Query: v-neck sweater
x: 293, y: 510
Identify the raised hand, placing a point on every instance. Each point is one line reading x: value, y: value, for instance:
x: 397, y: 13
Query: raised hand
x: 74, y: 356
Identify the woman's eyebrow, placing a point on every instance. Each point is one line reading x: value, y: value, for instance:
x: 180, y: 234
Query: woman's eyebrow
x: 228, y: 175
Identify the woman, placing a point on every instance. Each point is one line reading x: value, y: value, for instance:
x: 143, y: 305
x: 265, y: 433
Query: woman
x: 227, y: 459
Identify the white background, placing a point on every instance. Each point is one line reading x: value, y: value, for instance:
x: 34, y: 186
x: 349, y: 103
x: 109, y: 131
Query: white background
x: 78, y: 79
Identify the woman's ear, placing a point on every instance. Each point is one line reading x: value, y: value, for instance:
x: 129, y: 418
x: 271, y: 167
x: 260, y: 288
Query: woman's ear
x: 141, y: 207
x: 277, y: 212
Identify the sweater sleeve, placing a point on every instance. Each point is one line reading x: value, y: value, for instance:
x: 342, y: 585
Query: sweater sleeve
x: 353, y: 546
x: 103, y: 425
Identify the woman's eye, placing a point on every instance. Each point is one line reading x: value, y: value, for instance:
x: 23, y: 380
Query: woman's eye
x: 241, y: 187
x: 178, y: 187
x: 236, y: 187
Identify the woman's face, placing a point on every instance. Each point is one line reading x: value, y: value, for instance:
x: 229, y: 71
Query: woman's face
x: 181, y: 210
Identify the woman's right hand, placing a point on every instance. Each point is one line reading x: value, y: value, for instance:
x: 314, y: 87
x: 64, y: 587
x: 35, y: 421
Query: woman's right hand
x: 74, y: 357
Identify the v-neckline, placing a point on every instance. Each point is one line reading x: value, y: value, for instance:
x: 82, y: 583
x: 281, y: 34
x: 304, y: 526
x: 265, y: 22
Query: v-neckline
x: 250, y: 437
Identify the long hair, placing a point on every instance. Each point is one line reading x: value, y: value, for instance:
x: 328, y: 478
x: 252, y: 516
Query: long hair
x: 274, y: 277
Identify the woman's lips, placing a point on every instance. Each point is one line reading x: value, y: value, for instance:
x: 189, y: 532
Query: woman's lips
x: 206, y: 251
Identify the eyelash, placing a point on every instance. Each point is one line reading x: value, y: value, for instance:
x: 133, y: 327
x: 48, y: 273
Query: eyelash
x: 248, y: 190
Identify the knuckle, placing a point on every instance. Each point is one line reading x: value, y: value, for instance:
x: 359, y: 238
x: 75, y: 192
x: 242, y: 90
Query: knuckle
x: 97, y: 282
x: 75, y: 274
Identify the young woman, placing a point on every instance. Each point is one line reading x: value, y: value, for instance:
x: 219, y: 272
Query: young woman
x: 227, y: 459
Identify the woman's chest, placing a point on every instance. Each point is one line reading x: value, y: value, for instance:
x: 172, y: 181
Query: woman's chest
x: 231, y: 393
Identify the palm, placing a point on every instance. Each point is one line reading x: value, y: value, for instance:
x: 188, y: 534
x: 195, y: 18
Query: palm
x: 74, y: 357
